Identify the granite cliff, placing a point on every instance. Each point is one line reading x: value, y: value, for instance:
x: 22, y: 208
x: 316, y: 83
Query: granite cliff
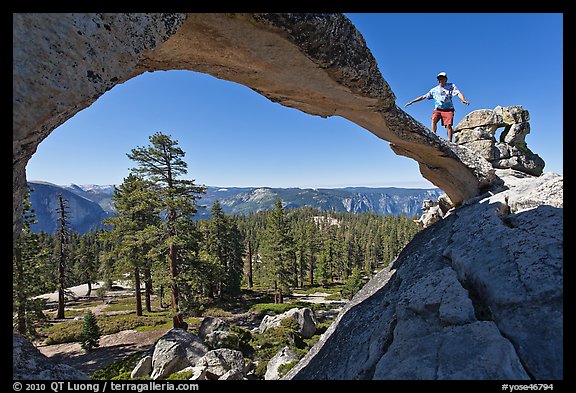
x: 478, y: 293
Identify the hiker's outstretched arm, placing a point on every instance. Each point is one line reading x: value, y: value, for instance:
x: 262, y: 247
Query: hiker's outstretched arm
x: 415, y: 100
x: 464, y: 100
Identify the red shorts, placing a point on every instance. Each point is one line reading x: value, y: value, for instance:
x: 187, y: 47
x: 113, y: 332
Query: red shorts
x: 444, y: 115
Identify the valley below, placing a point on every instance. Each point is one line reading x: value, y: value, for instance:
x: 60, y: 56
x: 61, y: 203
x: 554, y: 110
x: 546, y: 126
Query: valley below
x: 132, y: 338
x: 91, y: 204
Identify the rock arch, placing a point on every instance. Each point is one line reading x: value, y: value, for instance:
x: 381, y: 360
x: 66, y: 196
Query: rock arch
x: 317, y: 63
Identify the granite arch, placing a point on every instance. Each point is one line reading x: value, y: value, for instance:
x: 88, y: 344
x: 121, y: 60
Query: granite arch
x: 317, y: 63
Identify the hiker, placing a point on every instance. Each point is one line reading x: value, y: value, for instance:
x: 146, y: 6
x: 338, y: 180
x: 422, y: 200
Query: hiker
x: 443, y: 106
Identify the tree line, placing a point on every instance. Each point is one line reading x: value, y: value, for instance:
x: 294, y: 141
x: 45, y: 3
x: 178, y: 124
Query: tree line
x: 154, y: 242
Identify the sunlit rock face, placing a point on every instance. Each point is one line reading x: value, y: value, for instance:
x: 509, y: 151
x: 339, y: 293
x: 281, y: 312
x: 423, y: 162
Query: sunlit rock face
x: 317, y: 63
x: 476, y: 295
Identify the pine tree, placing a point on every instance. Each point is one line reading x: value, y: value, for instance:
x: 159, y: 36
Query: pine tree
x: 235, y: 261
x: 106, y: 260
x: 86, y: 263
x: 322, y: 268
x: 278, y: 252
x: 331, y: 248
x: 63, y: 237
x: 90, y: 335
x: 148, y: 288
x: 313, y: 246
x: 216, y: 245
x: 223, y: 244
x: 133, y: 228
x: 30, y: 273
x: 248, y: 231
x: 353, y: 284
x: 161, y: 163
x: 301, y: 250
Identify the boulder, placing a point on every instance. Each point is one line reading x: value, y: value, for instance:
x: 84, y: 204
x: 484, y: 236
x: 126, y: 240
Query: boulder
x: 548, y: 189
x: 477, y: 131
x: 474, y: 134
x: 198, y: 373
x: 231, y: 375
x: 429, y: 217
x: 445, y: 203
x: 175, y: 351
x: 516, y: 134
x: 143, y: 367
x: 219, y: 361
x: 512, y: 114
x: 520, y: 159
x: 484, y: 148
x: 284, y: 356
x: 480, y: 118
x: 28, y: 363
x: 210, y: 325
x: 432, y: 212
x: 223, y: 339
x: 304, y: 316
x: 216, y: 333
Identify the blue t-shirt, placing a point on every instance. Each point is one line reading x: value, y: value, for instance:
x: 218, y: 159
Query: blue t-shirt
x: 443, y: 95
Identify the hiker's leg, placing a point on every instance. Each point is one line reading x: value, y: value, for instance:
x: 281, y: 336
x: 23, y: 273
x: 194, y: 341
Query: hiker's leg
x: 448, y: 121
x: 435, y: 117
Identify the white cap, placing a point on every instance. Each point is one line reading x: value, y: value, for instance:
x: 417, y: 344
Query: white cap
x: 442, y: 74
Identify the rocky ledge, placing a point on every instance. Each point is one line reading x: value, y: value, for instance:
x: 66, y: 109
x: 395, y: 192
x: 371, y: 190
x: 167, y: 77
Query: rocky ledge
x: 477, y: 295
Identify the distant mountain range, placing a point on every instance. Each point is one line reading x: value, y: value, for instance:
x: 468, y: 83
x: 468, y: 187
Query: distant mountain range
x: 85, y: 213
x: 90, y: 204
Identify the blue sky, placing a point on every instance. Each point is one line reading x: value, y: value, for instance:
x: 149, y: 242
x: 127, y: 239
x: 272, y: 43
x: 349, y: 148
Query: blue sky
x: 235, y: 137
